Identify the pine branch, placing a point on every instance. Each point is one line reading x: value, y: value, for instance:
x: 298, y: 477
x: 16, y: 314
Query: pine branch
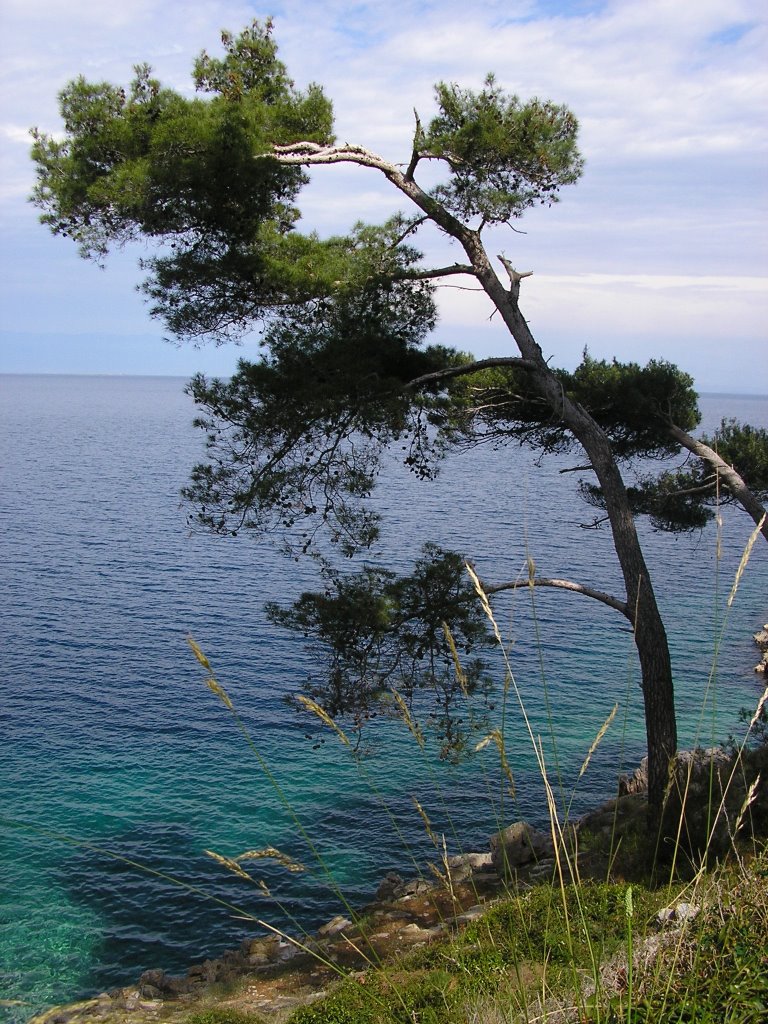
x: 732, y: 480
x: 467, y: 368
x: 575, y: 588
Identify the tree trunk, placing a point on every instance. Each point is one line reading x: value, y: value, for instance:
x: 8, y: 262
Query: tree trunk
x: 649, y: 632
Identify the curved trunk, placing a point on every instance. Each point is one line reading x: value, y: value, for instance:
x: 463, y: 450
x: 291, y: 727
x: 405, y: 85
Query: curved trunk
x: 649, y: 632
x: 648, y: 627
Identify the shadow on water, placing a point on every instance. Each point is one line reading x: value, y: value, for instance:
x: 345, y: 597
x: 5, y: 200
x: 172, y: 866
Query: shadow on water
x: 148, y: 921
x: 151, y: 921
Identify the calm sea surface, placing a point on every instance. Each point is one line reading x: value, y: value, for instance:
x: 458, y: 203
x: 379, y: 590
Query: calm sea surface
x: 119, y: 768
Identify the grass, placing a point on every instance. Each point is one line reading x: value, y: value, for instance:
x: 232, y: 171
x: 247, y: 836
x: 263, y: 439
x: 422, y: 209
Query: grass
x: 579, y: 955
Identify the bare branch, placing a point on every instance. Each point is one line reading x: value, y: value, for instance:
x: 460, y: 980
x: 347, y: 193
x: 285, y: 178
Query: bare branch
x: 574, y: 588
x: 515, y: 277
x: 411, y: 227
x: 418, y: 135
x: 310, y: 153
x: 596, y: 523
x: 467, y: 368
x: 423, y: 275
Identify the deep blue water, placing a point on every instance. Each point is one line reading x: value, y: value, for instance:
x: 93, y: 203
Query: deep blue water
x: 112, y: 746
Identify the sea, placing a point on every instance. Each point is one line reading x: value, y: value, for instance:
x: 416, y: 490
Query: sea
x: 120, y: 768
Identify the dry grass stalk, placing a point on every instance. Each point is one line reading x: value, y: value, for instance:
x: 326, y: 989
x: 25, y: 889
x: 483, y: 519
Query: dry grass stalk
x: 485, y: 603
x: 596, y: 742
x: 274, y: 854
x: 230, y: 865
x: 748, y: 800
x: 744, y: 559
x: 324, y: 717
x: 460, y: 674
x: 758, y: 710
x: 495, y: 736
x: 408, y: 718
x: 427, y: 823
x: 199, y: 654
x: 215, y: 687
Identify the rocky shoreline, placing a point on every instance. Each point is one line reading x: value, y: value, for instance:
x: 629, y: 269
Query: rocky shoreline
x: 272, y: 976
x: 761, y: 639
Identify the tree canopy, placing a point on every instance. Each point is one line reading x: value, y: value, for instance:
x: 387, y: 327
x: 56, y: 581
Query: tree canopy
x: 295, y: 439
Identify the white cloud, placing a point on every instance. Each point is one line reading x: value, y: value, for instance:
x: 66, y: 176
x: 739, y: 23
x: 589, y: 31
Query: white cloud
x: 15, y: 133
x: 671, y: 97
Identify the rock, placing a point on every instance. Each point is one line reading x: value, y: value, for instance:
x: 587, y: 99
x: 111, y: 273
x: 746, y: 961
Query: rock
x: 637, y: 782
x: 416, y: 887
x: 471, y: 914
x: 334, y: 926
x: 700, y: 784
x: 208, y: 972
x: 464, y: 865
x: 260, y: 951
x: 411, y: 929
x: 390, y: 887
x: 152, y: 984
x: 680, y: 913
x: 544, y: 869
x: 517, y: 845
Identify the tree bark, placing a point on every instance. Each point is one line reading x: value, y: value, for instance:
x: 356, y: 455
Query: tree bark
x: 732, y: 480
x: 649, y: 632
x: 648, y: 627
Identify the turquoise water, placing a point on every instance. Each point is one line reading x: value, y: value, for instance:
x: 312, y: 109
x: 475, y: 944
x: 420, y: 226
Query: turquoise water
x: 112, y: 747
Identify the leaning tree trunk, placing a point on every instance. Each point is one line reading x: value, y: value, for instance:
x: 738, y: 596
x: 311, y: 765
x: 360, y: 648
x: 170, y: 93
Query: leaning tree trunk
x: 649, y: 632
x: 648, y: 627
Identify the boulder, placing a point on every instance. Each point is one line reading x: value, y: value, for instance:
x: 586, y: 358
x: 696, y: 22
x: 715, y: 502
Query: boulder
x: 698, y: 788
x: 637, y: 782
x: 391, y: 887
x: 464, y: 865
x: 517, y: 845
x: 334, y: 926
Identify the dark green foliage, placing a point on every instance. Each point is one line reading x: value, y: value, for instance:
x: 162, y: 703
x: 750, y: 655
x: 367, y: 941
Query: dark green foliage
x: 669, y: 500
x: 686, y: 498
x: 376, y: 632
x: 148, y: 162
x: 504, y: 156
x: 746, y: 449
x: 295, y: 439
x: 635, y: 404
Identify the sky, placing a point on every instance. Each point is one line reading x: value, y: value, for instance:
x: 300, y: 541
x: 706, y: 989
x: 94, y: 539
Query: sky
x: 660, y: 251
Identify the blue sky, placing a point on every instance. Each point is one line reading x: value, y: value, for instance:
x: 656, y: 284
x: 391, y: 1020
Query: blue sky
x: 659, y: 251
